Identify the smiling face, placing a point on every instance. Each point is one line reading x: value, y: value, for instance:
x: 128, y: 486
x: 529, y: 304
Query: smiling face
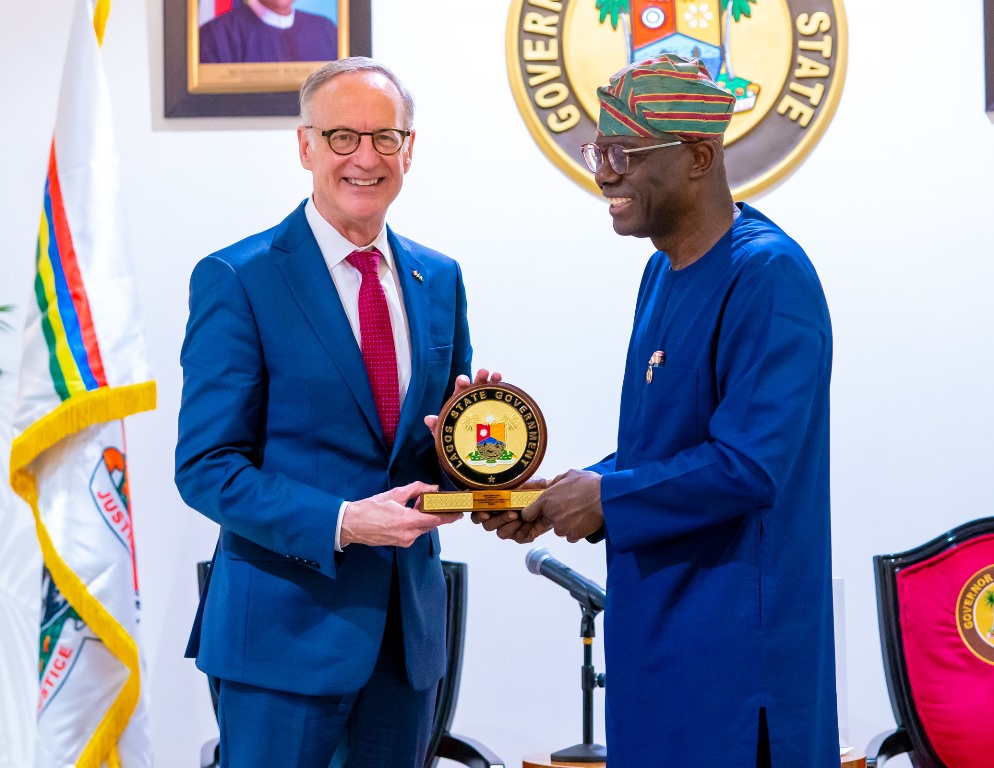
x: 649, y: 199
x: 353, y: 192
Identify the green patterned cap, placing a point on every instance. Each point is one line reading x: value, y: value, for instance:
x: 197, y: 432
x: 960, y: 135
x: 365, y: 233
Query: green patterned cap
x: 664, y: 95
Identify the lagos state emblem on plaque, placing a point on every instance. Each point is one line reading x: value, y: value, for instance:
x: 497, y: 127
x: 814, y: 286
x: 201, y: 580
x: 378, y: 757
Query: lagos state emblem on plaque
x: 490, y: 439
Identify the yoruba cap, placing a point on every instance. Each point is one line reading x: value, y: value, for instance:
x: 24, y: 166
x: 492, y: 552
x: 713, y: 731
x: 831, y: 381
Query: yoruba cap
x: 664, y: 95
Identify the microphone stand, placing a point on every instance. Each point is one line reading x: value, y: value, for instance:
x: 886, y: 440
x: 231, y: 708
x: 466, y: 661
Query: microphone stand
x: 587, y: 752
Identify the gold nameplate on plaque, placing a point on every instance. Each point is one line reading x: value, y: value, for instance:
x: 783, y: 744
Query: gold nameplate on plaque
x: 471, y: 501
x: 490, y: 439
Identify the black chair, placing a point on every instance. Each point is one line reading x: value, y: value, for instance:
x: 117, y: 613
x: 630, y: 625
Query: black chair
x: 443, y: 743
x: 935, y: 605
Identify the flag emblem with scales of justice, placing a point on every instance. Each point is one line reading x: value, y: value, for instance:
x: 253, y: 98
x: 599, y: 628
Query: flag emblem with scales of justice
x: 83, y: 369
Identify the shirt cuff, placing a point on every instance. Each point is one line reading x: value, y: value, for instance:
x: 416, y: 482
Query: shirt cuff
x: 338, y: 526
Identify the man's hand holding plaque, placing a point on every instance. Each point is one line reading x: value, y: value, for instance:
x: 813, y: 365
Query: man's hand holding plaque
x: 490, y: 438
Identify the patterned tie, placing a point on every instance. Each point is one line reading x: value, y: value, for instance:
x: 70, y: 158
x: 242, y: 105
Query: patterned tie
x: 378, y: 352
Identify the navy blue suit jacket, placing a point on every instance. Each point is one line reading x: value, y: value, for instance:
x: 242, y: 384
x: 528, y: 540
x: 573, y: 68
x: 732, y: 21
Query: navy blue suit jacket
x: 277, y: 426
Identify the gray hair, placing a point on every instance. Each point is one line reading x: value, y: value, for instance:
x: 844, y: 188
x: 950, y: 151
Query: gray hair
x: 320, y: 77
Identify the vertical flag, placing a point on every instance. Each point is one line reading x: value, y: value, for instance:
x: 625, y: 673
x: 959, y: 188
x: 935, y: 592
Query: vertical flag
x: 83, y: 369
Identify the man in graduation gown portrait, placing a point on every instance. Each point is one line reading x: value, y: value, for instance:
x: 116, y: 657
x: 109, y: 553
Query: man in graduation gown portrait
x: 267, y: 31
x: 714, y: 508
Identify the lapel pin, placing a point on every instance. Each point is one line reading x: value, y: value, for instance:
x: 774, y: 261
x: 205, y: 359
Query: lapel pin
x: 417, y: 276
x: 657, y: 359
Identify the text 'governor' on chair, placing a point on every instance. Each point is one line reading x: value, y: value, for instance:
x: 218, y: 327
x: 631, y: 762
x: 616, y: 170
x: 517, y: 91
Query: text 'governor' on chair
x: 936, y: 611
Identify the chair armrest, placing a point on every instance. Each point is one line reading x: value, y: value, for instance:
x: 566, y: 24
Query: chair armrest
x: 886, y: 745
x: 208, y: 754
x: 468, y: 752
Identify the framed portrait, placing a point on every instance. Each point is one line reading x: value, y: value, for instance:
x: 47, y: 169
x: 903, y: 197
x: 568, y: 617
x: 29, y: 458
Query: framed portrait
x: 989, y: 55
x: 250, y: 57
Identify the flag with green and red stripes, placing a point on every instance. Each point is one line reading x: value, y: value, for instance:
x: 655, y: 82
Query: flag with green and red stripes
x: 84, y: 367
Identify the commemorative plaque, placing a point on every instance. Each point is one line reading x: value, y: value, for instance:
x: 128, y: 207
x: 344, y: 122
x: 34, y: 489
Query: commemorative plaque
x: 490, y: 439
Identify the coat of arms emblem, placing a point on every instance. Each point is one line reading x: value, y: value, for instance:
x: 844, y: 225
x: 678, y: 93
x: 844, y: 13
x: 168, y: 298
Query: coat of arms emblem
x: 783, y: 60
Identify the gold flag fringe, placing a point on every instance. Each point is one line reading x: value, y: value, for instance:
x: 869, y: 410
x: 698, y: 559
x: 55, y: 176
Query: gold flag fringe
x: 75, y: 414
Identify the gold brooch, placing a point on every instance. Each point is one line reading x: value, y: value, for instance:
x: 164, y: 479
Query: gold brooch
x: 657, y: 359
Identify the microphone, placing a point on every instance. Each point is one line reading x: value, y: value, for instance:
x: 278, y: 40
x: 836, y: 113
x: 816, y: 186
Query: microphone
x: 584, y: 591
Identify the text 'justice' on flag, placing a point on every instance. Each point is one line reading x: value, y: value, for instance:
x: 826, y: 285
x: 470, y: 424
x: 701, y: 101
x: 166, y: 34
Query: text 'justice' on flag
x: 83, y: 369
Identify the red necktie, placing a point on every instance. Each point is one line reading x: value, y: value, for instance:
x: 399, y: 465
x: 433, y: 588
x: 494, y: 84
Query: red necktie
x: 378, y: 352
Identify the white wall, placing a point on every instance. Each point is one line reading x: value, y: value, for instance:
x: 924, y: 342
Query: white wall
x: 894, y: 206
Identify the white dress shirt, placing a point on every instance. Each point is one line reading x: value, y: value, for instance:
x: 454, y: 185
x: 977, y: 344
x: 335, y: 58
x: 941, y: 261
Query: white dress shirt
x: 335, y: 249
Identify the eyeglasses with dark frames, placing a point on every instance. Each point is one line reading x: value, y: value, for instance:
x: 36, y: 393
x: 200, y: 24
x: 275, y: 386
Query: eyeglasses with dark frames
x: 345, y: 141
x: 617, y: 155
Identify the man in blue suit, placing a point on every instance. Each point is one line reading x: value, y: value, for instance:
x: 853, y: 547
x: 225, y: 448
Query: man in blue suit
x: 715, y: 506
x: 313, y: 352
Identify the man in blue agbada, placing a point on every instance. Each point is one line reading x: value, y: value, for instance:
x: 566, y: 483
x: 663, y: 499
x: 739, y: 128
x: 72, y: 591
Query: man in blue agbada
x: 715, y: 507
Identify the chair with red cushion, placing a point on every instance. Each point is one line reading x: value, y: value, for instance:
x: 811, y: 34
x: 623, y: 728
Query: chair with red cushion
x: 936, y: 610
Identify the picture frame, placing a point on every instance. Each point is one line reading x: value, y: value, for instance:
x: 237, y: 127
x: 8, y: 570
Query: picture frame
x: 989, y: 55
x: 225, y: 87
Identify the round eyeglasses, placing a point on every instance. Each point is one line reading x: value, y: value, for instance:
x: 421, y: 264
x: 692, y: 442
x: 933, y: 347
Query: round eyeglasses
x: 345, y: 141
x: 617, y: 155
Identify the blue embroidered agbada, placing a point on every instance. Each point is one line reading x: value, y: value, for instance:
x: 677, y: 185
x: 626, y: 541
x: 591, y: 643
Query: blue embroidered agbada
x: 716, y: 511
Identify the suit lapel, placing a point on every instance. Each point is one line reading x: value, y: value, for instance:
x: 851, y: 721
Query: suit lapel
x: 416, y: 305
x: 299, y: 259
